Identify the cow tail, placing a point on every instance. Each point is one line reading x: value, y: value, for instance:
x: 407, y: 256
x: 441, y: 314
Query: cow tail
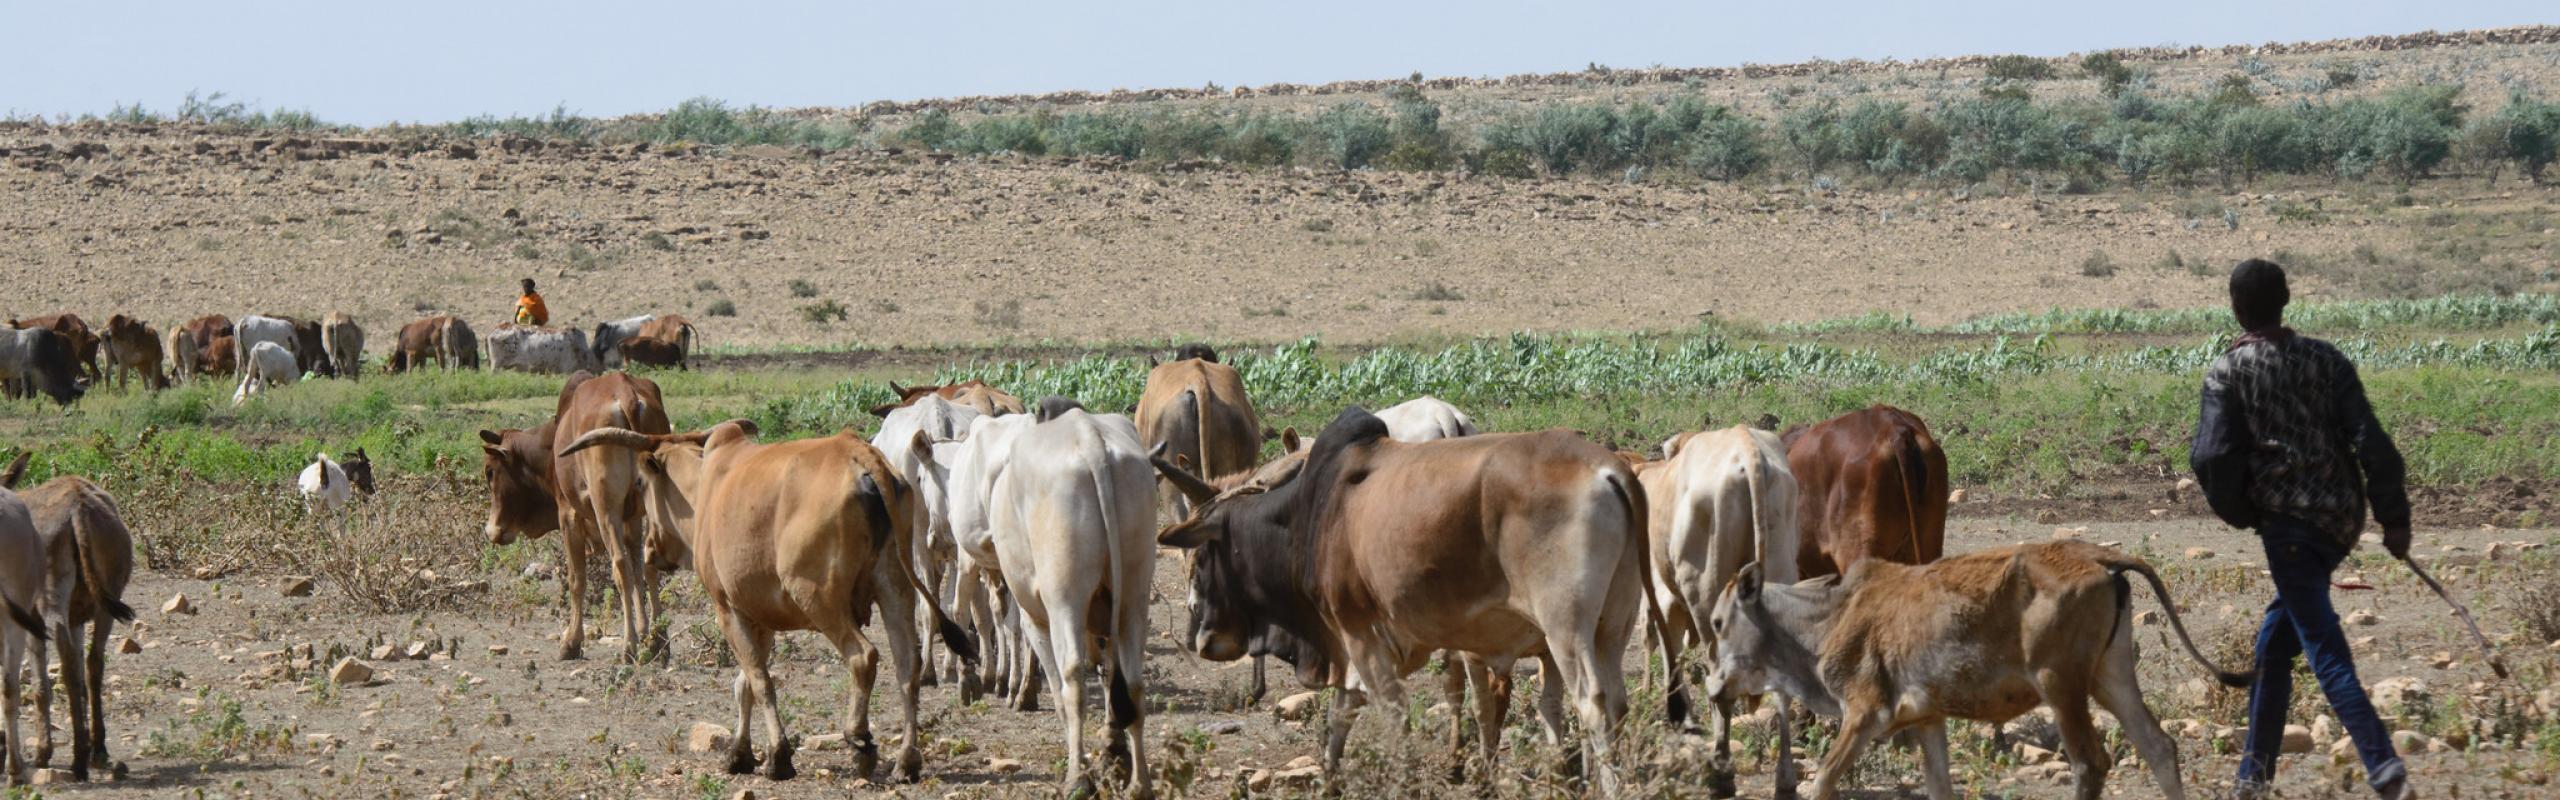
x: 875, y: 512
x: 1124, y: 703
x: 1200, y: 430
x: 84, y: 549
x: 1676, y: 704
x: 2169, y: 606
x: 1915, y: 482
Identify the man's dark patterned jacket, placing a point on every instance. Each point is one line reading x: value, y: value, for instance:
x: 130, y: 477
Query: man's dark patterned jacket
x: 2286, y: 429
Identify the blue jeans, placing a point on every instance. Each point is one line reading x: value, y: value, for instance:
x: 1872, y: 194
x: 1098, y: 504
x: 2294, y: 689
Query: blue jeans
x: 2301, y: 622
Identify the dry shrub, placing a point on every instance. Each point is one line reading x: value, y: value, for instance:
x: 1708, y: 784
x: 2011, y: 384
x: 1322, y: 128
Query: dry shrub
x: 2536, y: 605
x: 406, y: 549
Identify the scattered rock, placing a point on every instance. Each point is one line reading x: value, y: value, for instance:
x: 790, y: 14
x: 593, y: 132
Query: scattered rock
x: 2147, y: 617
x: 2324, y: 729
x: 385, y: 653
x: 823, y: 741
x: 129, y: 646
x: 744, y: 794
x: 2185, y: 485
x: 1955, y: 497
x: 2199, y: 553
x: 1297, y: 707
x: 497, y: 649
x: 537, y: 571
x: 1224, y: 727
x: 178, y: 604
x: 49, y: 776
x: 207, y: 573
x: 2363, y: 618
x: 2409, y: 742
x: 2443, y: 659
x: 2158, y: 513
x: 704, y: 737
x: 2032, y: 755
x: 2392, y: 694
x: 350, y: 672
x: 2297, y: 739
x: 417, y: 650
x: 1298, y: 777
x: 2342, y: 751
x: 1003, y: 766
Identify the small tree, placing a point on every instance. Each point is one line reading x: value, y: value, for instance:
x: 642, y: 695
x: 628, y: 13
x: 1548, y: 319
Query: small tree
x: 2018, y: 68
x: 1727, y: 147
x: 2109, y: 68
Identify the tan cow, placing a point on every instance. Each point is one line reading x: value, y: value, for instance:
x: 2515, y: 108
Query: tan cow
x: 344, y: 343
x: 797, y: 535
x: 1982, y: 636
x: 133, y: 346
x: 88, y: 559
x: 595, y: 497
x: 1197, y: 409
x: 1719, y: 499
x: 975, y: 394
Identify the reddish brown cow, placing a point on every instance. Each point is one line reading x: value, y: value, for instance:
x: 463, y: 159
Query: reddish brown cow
x: 418, y: 344
x: 215, y: 357
x: 655, y: 351
x: 1873, y: 484
x: 134, y: 347
x: 76, y: 332
x: 595, y: 495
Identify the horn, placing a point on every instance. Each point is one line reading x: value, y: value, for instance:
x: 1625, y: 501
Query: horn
x: 17, y: 469
x: 1190, y: 485
x: 618, y: 437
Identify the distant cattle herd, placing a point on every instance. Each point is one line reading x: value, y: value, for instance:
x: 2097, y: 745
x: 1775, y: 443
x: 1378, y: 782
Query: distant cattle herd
x: 57, y: 356
x: 1805, y: 564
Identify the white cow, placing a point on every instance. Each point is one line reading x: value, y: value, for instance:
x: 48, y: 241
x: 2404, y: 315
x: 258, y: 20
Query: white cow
x: 1718, y: 500
x: 1072, y: 519
x: 252, y: 330
x: 905, y: 439
x: 542, y: 350
x: 609, y: 336
x: 184, y: 359
x: 266, y: 366
x: 979, y: 461
x: 1425, y: 418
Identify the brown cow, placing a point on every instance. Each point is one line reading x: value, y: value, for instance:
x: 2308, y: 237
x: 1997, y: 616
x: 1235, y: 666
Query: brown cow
x: 1873, y: 484
x: 797, y: 535
x: 595, y: 497
x: 419, y: 343
x: 133, y: 346
x: 1983, y: 636
x: 1379, y: 552
x: 310, y: 346
x: 674, y: 333
x: 976, y: 394
x: 655, y: 351
x: 75, y: 332
x: 89, y: 559
x: 1197, y: 409
x: 218, y: 356
x: 200, y: 333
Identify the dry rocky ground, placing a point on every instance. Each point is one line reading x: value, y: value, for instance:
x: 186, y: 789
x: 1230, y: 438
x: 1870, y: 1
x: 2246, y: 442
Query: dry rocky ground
x: 234, y: 698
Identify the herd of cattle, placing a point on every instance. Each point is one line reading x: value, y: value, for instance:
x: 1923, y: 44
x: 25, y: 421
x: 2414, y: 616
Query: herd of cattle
x: 1806, y: 565
x: 58, y: 355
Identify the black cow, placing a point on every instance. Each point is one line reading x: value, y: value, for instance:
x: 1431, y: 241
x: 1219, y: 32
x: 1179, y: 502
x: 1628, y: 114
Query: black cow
x: 39, y: 360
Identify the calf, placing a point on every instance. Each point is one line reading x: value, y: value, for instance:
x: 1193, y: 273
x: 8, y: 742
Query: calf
x: 419, y: 343
x: 133, y: 346
x: 218, y: 356
x: 798, y: 535
x: 344, y: 342
x: 269, y: 365
x: 330, y: 484
x: 1983, y: 636
x: 88, y: 559
x: 38, y: 360
x: 654, y: 351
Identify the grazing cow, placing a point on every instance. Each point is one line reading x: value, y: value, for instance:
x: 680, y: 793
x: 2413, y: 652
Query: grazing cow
x: 311, y: 347
x: 330, y: 484
x: 1873, y: 483
x: 184, y: 358
x: 1719, y: 499
x: 1982, y: 636
x: 457, y: 347
x: 1197, y: 408
x: 34, y: 360
x: 23, y: 588
x: 133, y: 346
x: 76, y: 332
x: 672, y: 330
x: 654, y: 351
x: 1503, y: 546
x: 269, y: 365
x: 201, y: 332
x: 250, y: 331
x: 343, y: 340
x: 988, y: 400
x: 419, y: 343
x: 1426, y: 418
x: 218, y: 356
x: 797, y: 535
x: 88, y: 559
x: 539, y: 350
x: 607, y: 341
x: 595, y: 497
x: 1073, y: 521
x: 937, y: 420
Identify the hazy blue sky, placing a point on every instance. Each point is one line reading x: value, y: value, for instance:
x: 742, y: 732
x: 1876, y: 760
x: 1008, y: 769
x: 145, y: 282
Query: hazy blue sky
x: 373, y: 62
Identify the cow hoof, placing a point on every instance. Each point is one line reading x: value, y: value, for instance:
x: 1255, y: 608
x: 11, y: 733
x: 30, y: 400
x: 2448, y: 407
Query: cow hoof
x: 866, y: 759
x: 779, y: 766
x: 910, y: 765
x: 572, y: 652
x: 742, y: 761
x: 1720, y: 781
x: 928, y: 679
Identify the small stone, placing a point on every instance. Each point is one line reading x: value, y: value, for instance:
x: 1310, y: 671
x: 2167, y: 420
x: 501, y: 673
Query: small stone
x: 350, y: 672
x: 416, y: 651
x: 497, y: 649
x: 2443, y: 659
x: 1297, y: 707
x: 823, y: 741
x: 385, y: 745
x: 386, y: 653
x: 2147, y: 617
x: 297, y: 586
x: 502, y: 719
x: 2362, y: 618
x: 1300, y: 762
x: 1003, y: 766
x: 704, y: 737
x: 2324, y: 729
x: 2342, y: 751
x: 1224, y: 727
x: 2199, y: 553
x: 49, y: 776
x: 1955, y: 497
x: 178, y: 604
x: 207, y: 573
x: 2032, y: 755
x: 744, y: 794
x: 2297, y: 739
x: 1298, y: 777
x: 537, y: 571
x: 129, y: 646
x: 1257, y: 781
x: 2159, y: 513
x: 2068, y: 533
x: 2409, y: 742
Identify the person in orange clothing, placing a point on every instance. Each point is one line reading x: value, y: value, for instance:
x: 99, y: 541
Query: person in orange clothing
x: 529, y: 308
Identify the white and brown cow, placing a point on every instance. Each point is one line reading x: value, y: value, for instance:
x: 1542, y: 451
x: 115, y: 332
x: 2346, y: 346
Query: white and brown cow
x: 344, y: 340
x: 538, y: 350
x: 269, y: 365
x: 595, y: 496
x: 1982, y: 636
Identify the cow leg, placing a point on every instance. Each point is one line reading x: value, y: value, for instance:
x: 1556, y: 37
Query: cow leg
x: 2121, y: 695
x: 35, y: 661
x: 620, y: 549
x: 1492, y: 684
x: 1550, y: 700
x: 1031, y: 661
x: 1261, y: 684
x: 897, y: 596
x: 1062, y: 646
x: 99, y: 627
x: 573, y: 558
x: 1787, y: 774
x: 1128, y: 676
x: 1456, y: 674
x: 752, y: 646
x: 1599, y: 697
x: 75, y: 690
x: 13, y: 646
x: 2089, y: 759
x: 1933, y: 756
x: 1860, y: 726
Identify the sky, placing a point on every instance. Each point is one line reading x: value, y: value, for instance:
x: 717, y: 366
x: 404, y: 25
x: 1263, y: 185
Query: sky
x: 375, y: 62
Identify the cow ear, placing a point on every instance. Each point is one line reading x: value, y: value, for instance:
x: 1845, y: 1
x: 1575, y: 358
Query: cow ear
x: 491, y: 437
x: 1289, y: 442
x: 1746, y: 584
x: 1189, y: 534
x: 921, y: 442
x: 883, y: 409
x: 1151, y: 357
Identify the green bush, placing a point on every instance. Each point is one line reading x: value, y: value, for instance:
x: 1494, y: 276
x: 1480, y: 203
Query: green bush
x: 1563, y: 136
x: 1351, y: 135
x: 1812, y: 135
x: 2109, y: 68
x: 2526, y: 133
x: 1727, y: 147
x: 2018, y: 68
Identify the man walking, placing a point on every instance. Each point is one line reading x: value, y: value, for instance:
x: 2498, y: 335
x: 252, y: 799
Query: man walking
x: 2288, y: 445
